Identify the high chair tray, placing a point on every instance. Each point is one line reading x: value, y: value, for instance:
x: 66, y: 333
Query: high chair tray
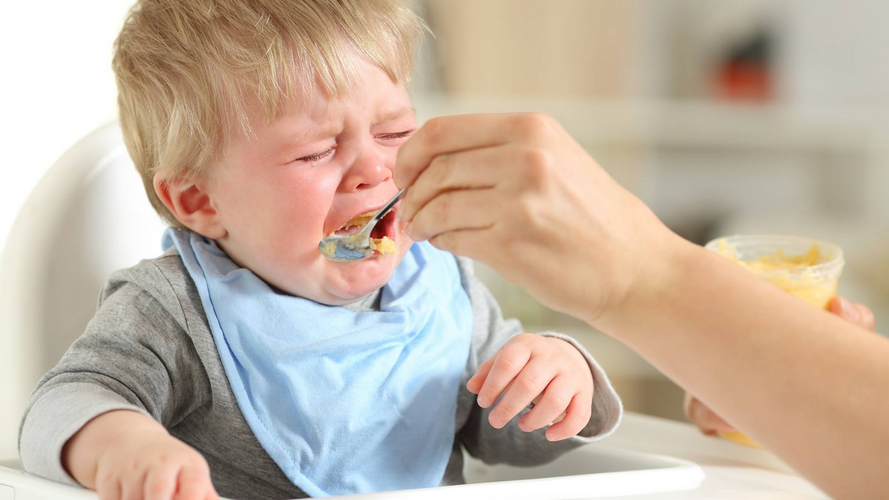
x: 594, y: 471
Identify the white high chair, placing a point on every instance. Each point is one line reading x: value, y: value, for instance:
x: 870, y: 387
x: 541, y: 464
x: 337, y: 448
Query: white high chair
x: 89, y: 216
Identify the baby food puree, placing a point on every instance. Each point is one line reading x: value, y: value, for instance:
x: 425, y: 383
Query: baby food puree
x: 804, y: 267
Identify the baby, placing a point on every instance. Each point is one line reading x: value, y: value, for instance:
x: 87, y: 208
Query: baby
x: 241, y: 362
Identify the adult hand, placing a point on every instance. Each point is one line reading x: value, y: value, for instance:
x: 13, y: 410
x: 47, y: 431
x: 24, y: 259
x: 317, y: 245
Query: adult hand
x: 710, y: 423
x: 516, y: 192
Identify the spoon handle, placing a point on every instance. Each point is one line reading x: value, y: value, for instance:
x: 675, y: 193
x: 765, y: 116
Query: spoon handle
x: 387, y: 207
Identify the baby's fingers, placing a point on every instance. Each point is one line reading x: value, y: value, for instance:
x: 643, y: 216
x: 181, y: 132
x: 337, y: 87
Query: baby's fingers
x: 551, y: 406
x: 474, y: 384
x: 160, y: 483
x: 194, y: 483
x: 511, y: 359
x: 576, y: 417
x: 132, y: 487
x: 529, y: 384
x: 108, y: 487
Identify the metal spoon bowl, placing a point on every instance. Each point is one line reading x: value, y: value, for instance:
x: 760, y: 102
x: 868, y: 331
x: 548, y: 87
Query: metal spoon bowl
x: 353, y: 247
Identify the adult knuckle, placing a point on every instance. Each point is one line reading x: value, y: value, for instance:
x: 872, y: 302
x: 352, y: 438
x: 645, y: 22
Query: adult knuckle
x: 444, y: 204
x: 433, y: 131
x: 526, y: 209
x: 534, y: 125
x: 440, y: 169
x: 537, y: 164
x: 446, y: 241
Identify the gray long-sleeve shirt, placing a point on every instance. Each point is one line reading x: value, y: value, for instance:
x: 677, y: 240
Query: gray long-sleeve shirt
x: 149, y: 349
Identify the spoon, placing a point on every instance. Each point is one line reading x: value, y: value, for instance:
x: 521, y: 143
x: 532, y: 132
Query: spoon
x: 352, y: 247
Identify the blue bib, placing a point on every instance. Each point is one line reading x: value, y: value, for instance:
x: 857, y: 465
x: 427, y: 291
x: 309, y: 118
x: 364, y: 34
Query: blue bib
x: 344, y: 402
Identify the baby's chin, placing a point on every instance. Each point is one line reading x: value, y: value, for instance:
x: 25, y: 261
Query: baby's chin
x: 354, y: 281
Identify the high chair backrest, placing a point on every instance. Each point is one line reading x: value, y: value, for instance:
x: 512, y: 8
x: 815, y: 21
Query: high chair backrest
x: 87, y: 217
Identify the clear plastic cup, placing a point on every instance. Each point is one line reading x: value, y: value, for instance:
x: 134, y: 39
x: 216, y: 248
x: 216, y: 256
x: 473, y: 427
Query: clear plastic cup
x: 805, y: 267
x: 780, y: 260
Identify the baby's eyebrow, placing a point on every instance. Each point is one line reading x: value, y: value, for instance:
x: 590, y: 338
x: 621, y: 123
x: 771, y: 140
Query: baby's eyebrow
x: 395, y: 113
x: 310, y: 135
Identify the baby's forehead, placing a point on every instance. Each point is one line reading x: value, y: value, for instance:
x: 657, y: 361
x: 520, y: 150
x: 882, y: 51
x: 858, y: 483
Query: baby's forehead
x: 374, y: 96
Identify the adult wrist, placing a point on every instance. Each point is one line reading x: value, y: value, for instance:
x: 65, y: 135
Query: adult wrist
x: 654, y: 279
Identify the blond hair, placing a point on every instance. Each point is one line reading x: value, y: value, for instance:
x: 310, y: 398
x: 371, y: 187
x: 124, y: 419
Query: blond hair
x: 187, y: 70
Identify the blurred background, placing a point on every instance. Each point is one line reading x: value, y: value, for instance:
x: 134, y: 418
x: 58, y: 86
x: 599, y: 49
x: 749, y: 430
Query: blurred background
x: 725, y: 116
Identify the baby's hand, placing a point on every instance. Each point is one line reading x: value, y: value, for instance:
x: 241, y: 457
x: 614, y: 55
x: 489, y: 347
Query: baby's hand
x: 529, y: 366
x: 710, y: 423
x: 153, y: 466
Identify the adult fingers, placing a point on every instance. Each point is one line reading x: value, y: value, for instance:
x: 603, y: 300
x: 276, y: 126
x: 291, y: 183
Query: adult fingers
x: 552, y: 405
x: 160, y: 483
x: 868, y: 320
x: 455, y: 211
x: 577, y: 415
x: 706, y: 419
x: 479, y: 244
x: 473, y: 169
x: 855, y: 313
x: 450, y: 134
x: 530, y: 383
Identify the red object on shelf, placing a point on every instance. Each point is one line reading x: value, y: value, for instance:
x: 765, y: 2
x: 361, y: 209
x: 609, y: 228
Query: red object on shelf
x: 744, y: 81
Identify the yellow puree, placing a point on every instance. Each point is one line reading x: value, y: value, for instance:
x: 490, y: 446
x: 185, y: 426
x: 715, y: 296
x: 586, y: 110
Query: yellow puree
x: 382, y: 245
x: 790, y: 273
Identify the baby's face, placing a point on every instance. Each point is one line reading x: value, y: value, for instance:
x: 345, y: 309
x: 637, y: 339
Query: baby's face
x: 303, y: 176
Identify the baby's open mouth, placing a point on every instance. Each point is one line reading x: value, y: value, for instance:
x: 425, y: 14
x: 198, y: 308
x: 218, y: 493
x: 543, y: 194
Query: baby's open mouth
x: 382, y: 236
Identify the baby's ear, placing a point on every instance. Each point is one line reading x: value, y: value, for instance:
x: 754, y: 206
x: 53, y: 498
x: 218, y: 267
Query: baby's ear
x: 191, y: 205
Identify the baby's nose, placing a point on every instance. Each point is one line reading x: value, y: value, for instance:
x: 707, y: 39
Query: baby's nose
x: 366, y: 173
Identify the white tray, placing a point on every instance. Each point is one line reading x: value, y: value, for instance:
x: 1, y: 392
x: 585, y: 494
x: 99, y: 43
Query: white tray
x: 594, y: 471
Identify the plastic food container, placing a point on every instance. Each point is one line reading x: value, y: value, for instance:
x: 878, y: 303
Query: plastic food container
x: 805, y: 267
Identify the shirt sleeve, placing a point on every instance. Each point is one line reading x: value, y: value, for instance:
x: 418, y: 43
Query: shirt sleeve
x: 134, y: 355
x: 510, y: 444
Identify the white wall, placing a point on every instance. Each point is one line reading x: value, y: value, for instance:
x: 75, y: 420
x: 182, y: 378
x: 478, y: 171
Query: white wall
x: 57, y: 86
x: 836, y: 53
